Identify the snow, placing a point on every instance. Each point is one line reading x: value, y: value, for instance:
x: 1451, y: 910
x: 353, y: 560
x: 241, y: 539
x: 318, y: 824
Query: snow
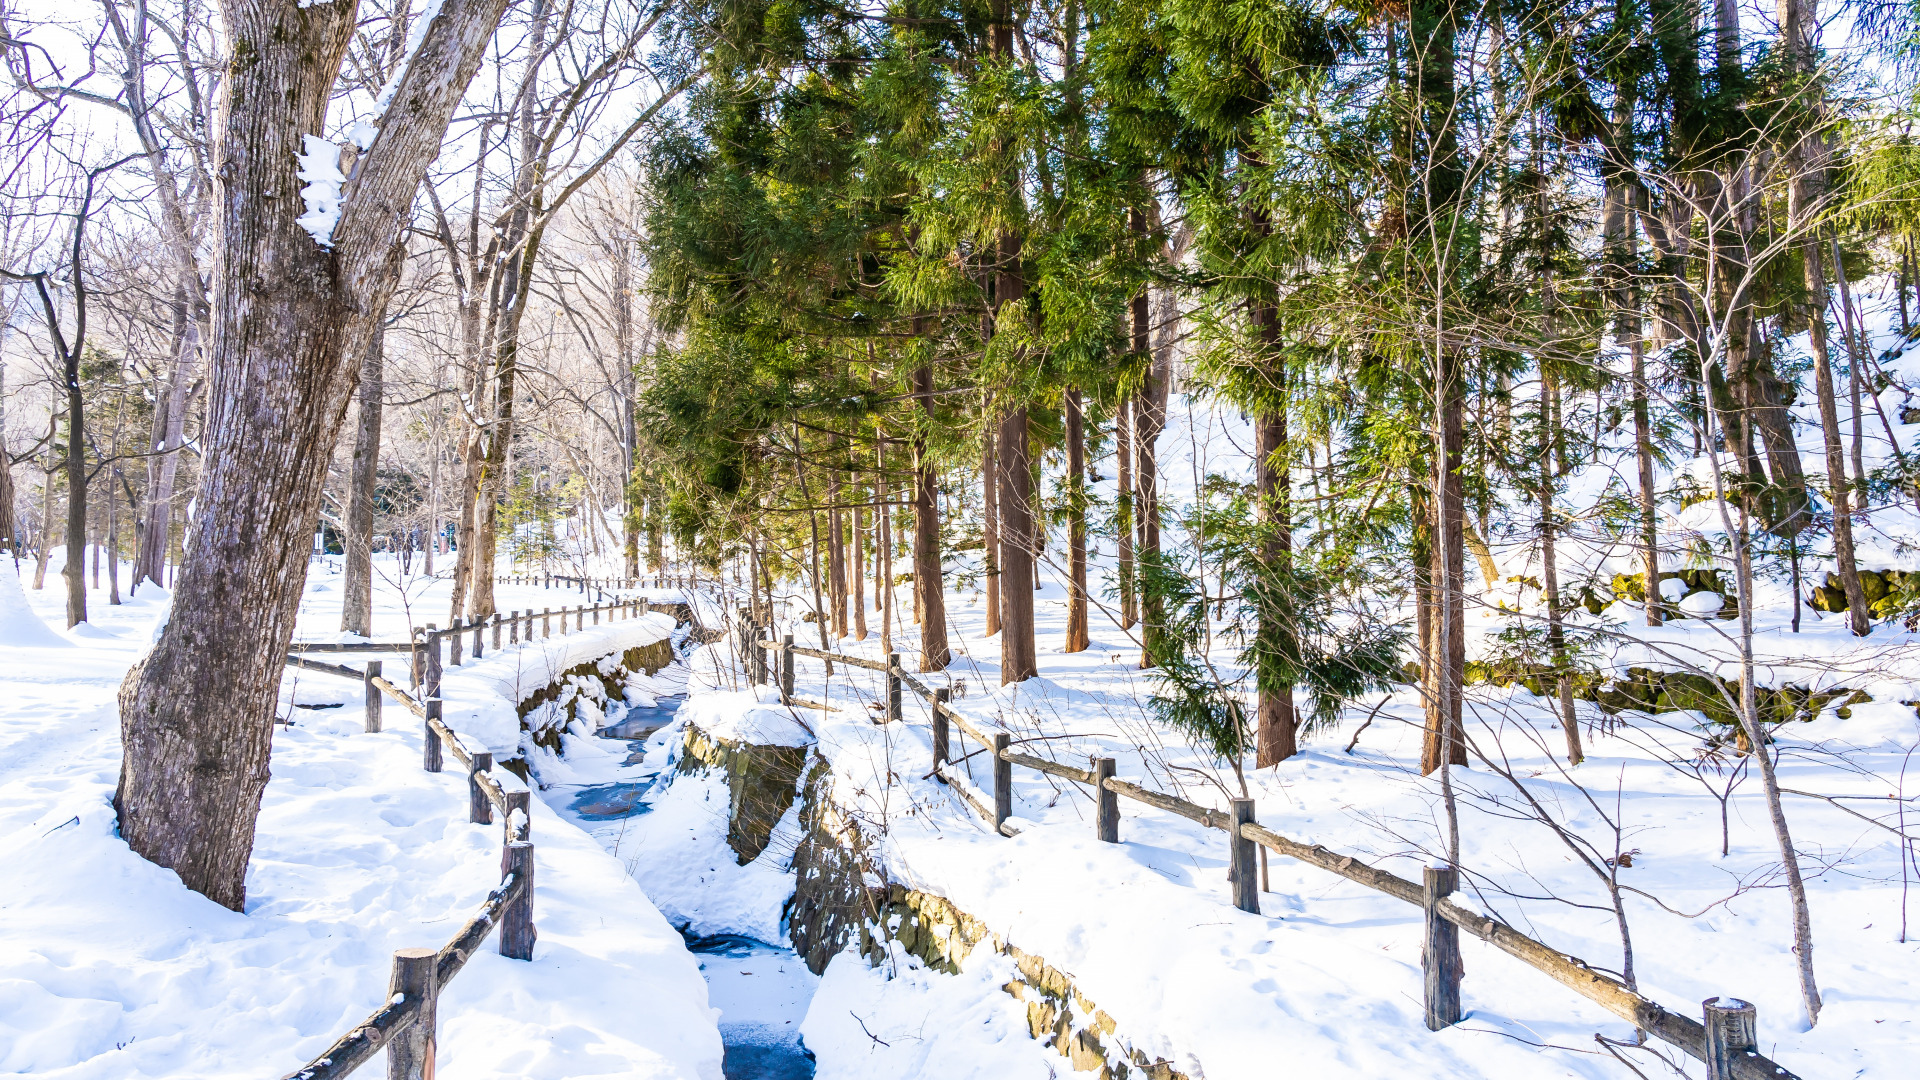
x: 901, y: 1020
x: 320, y: 172
x: 746, y: 716
x: 681, y: 858
x: 20, y: 626
x: 110, y: 968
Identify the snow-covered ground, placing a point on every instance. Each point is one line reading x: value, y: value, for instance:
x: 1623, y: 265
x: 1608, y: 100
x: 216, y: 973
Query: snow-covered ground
x: 110, y: 968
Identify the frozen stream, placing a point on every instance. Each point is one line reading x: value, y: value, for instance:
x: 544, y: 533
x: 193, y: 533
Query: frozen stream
x: 762, y: 990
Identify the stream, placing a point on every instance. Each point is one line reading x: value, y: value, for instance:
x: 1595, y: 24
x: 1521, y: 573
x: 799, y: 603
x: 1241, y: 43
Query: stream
x: 762, y: 990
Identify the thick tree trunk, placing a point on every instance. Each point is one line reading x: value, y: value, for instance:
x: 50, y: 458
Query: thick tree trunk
x: 1077, y: 600
x: 929, y: 596
x: 356, y: 610
x: 1018, y: 659
x: 292, y: 320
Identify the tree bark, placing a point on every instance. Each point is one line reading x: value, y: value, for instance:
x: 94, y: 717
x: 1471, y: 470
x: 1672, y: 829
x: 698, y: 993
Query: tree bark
x: 1277, y: 736
x: 836, y: 556
x: 292, y: 320
x: 990, y: 523
x: 1018, y: 659
x: 1077, y: 600
x: 1149, y: 419
x: 356, y: 611
x: 857, y: 567
x: 1447, y: 657
x: 1123, y: 512
x: 1550, y: 575
x: 928, y: 587
x: 76, y: 568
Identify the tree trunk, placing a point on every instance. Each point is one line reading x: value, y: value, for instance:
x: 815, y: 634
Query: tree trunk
x: 857, y: 566
x: 836, y: 556
x: 1447, y: 656
x: 473, y: 464
x: 169, y: 430
x: 1018, y: 660
x: 76, y: 568
x: 1550, y: 575
x: 1123, y: 512
x: 1277, y: 737
x: 990, y: 522
x: 929, y: 597
x: 46, y: 521
x: 292, y: 320
x: 113, y: 537
x: 1077, y: 600
x: 356, y: 609
x: 1149, y: 419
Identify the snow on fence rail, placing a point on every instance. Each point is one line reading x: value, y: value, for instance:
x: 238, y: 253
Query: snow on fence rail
x: 433, y: 649
x: 1727, y: 1041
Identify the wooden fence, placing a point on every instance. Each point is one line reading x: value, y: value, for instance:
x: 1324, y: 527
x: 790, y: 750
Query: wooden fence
x: 600, y: 586
x: 1726, y: 1041
x: 405, y: 1026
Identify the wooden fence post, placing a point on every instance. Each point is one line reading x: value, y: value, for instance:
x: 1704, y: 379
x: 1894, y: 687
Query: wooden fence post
x: 513, y: 627
x: 517, y: 933
x: 453, y: 643
x: 430, y: 758
x: 520, y: 828
x: 546, y: 623
x: 1440, y: 959
x: 479, y: 807
x: 432, y: 676
x: 786, y: 669
x: 893, y: 688
x: 1732, y: 1031
x: 1106, y: 818
x: 1002, y: 780
x: 596, y: 614
x: 496, y: 631
x: 374, y: 697
x: 479, y: 624
x: 1245, y: 879
x: 941, y: 753
x: 416, y: 978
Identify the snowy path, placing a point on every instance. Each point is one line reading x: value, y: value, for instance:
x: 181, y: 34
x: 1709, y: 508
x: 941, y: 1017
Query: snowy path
x: 109, y: 968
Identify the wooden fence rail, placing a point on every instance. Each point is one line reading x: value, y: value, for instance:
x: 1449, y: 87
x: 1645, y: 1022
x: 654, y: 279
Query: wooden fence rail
x: 1726, y: 1042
